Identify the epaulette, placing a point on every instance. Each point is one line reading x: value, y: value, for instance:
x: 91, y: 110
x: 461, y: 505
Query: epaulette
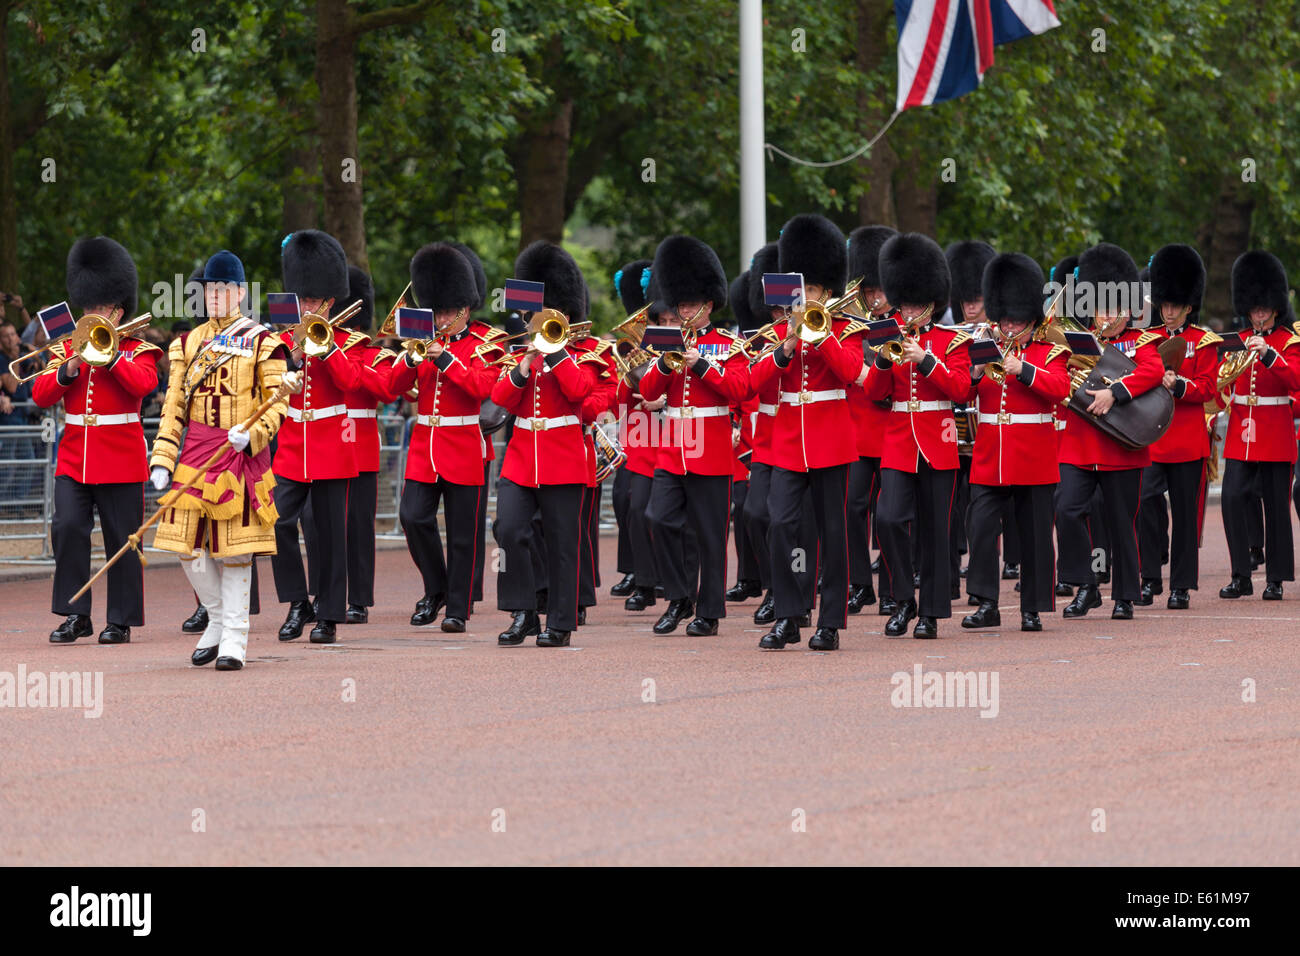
x: 354, y: 339
x: 960, y: 338
x: 1147, y: 337
x: 1293, y: 340
x: 383, y: 355
x: 1209, y: 338
x: 1054, y: 352
x: 592, y: 356
x: 487, y: 333
x: 602, y: 346
x: 485, y: 349
x: 727, y: 332
x: 142, y: 346
x: 852, y: 328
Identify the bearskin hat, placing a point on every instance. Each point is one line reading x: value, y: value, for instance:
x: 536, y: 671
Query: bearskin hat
x: 442, y: 278
x: 630, y: 283
x: 1012, y: 287
x: 913, y: 271
x: 764, y: 261
x: 966, y: 262
x: 480, y: 277
x: 566, y: 290
x: 864, y: 253
x: 738, y: 296
x: 1177, y: 277
x: 313, y: 265
x: 102, y: 272
x: 1259, y: 282
x: 1105, y: 264
x: 687, y: 270
x: 814, y: 246
x: 359, y: 287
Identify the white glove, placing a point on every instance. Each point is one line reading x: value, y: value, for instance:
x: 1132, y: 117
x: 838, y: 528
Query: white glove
x: 414, y: 359
x: 160, y: 477
x: 238, y: 438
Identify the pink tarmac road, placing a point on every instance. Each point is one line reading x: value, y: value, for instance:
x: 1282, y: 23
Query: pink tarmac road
x: 1114, y: 743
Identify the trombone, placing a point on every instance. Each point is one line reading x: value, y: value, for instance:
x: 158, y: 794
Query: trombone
x: 315, y: 333
x: 95, y: 341
x: 548, y: 331
x: 389, y: 325
x: 893, y: 349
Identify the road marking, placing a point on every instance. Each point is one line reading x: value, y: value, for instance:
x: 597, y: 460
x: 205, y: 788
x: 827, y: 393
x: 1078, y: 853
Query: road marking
x: 1190, y: 664
x: 1062, y: 662
x: 1103, y: 637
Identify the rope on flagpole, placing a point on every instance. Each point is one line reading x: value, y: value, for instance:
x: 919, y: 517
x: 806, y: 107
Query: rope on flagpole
x: 835, y: 162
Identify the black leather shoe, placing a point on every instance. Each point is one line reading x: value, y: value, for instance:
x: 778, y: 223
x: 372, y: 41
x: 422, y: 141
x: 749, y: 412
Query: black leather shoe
x: 1087, y: 599
x: 784, y: 631
x: 875, y: 566
x: 804, y: 619
x: 825, y: 639
x: 1123, y: 611
x: 677, y: 612
x: 426, y: 610
x: 1010, y: 572
x: 887, y: 607
x: 551, y: 637
x: 1030, y: 621
x: 453, y: 625
x: 744, y: 590
x: 659, y: 592
x: 624, y: 587
x: 325, y: 632
x: 197, y: 622
x: 121, y: 634
x: 1179, y: 600
x: 204, y: 655
x: 1273, y: 592
x: 73, y: 627
x: 988, y: 615
x: 1256, y: 558
x: 766, y: 613
x: 972, y: 600
x: 1146, y: 597
x: 1064, y: 590
x: 861, y: 597
x: 927, y: 629
x: 582, y: 616
x: 640, y: 599
x: 1236, y: 588
x: 523, y: 624
x: 300, y: 613
x: 963, y: 571
x: 702, y: 627
x: 897, y: 625
x: 357, y: 614
x: 229, y: 664
x: 916, y: 580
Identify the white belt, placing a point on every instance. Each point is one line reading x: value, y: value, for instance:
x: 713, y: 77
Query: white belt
x: 88, y: 420
x: 915, y: 406
x: 444, y: 421
x: 541, y: 424
x: 1236, y: 400
x: 767, y: 409
x: 315, y: 414
x: 363, y: 413
x: 692, y: 411
x: 1009, y: 418
x: 807, y: 398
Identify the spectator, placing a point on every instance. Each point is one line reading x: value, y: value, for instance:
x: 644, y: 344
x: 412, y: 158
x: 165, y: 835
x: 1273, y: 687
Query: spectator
x: 30, y: 328
x: 17, y: 481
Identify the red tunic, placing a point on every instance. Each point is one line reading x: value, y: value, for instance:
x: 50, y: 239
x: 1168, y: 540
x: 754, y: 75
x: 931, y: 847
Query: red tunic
x: 637, y: 431
x: 312, y: 442
x: 546, y: 446
x: 921, y: 424
x: 597, y: 354
x: 697, y: 436
x: 813, y: 422
x: 1016, y: 421
x: 103, y: 440
x: 1259, y: 417
x: 376, y: 368
x: 1087, y: 446
x: 1187, y: 438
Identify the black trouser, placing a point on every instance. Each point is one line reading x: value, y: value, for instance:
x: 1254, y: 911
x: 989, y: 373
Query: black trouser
x: 481, y: 518
x: 922, y: 501
x: 1255, y: 513
x: 644, y: 565
x: 759, y: 528
x: 363, y: 497
x: 787, y: 499
x: 1010, y: 537
x: 1184, y: 482
x: 329, y: 517
x: 121, y: 512
x: 1031, y: 532
x: 560, y: 510
x: 451, y: 577
x: 1239, y: 489
x: 746, y: 559
x: 1099, y: 530
x: 589, y: 548
x: 621, y: 495
x: 957, y: 520
x: 864, y: 477
x: 1121, y: 494
x: 701, y: 503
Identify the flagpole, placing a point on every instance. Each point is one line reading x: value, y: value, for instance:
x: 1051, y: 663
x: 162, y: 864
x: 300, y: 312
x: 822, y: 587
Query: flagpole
x: 753, y: 185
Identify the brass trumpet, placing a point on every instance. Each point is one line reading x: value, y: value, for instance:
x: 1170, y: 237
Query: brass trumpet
x: 315, y: 333
x: 95, y: 340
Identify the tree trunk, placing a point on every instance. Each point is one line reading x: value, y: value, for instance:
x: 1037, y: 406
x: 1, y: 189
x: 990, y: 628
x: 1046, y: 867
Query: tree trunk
x: 876, y: 168
x: 916, y: 196
x: 1229, y: 238
x: 301, y: 209
x: 336, y: 50
x: 9, y: 278
x: 542, y: 172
